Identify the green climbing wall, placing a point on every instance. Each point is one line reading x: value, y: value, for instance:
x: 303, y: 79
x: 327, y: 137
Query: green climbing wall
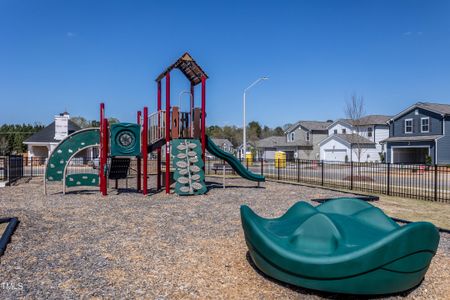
x: 188, y: 164
x: 82, y: 179
x: 68, y: 147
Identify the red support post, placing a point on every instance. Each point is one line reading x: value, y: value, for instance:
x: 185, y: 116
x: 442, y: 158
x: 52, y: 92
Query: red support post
x: 203, y: 117
x: 104, y: 155
x: 158, y: 151
x: 138, y: 160
x: 192, y: 110
x: 168, y: 133
x: 144, y: 152
x: 102, y: 146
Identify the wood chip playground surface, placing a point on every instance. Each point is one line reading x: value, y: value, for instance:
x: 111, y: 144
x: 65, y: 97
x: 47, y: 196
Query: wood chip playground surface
x: 163, y: 246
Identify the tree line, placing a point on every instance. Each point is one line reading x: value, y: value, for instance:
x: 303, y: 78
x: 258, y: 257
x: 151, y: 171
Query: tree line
x: 12, y: 137
x: 234, y: 134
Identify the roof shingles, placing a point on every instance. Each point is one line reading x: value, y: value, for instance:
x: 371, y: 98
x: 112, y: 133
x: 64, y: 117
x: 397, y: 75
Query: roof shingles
x: 279, y: 141
x: 354, y: 139
x: 47, y: 135
x: 310, y: 125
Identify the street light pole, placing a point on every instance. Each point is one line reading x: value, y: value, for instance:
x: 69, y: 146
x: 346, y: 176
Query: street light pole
x: 244, y: 121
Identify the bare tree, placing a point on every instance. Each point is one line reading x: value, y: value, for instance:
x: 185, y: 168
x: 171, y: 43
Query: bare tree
x: 354, y: 111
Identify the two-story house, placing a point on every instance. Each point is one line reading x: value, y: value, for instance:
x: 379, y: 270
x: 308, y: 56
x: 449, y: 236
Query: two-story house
x: 356, y: 140
x: 300, y: 141
x: 224, y: 144
x: 420, y: 131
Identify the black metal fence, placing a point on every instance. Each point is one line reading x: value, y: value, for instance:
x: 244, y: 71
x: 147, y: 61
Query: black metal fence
x: 35, y: 166
x: 11, y: 168
x: 410, y: 181
x: 427, y: 182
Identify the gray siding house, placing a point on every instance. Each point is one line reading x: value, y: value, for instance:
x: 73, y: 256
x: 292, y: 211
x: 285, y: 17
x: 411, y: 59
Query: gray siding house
x: 419, y: 131
x: 301, y: 141
x: 224, y: 144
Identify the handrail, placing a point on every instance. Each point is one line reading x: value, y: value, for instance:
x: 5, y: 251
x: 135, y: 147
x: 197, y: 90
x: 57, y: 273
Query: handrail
x: 157, y: 125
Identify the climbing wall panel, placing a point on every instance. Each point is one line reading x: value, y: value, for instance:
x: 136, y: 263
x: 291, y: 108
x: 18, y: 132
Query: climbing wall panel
x: 188, y: 164
x: 67, y: 148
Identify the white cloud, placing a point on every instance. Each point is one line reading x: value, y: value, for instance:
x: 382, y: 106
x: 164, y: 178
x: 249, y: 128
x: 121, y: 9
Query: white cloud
x: 70, y: 34
x: 411, y: 33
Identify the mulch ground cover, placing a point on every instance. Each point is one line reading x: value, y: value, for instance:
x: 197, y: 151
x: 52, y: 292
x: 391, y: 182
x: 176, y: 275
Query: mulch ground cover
x: 161, y: 246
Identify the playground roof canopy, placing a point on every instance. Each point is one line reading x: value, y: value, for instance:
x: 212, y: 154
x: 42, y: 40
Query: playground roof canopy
x: 187, y: 65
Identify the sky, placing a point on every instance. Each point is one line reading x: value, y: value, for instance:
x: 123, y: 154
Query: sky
x: 72, y: 55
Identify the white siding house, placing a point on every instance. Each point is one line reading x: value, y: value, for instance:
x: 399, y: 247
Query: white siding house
x: 356, y: 140
x: 340, y: 127
x: 42, y: 143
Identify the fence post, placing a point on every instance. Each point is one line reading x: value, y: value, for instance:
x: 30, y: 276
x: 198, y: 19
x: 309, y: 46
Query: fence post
x: 9, y: 169
x: 31, y: 167
x: 435, y: 182
x: 262, y: 166
x: 298, y: 170
x: 388, y: 185
x: 351, y: 175
x: 323, y: 166
x: 278, y: 164
x: 208, y: 164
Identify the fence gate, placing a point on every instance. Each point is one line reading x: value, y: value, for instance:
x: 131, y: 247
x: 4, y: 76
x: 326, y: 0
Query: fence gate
x: 14, y: 167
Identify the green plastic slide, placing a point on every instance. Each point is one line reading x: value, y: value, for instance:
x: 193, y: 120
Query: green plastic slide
x: 232, y: 161
x: 344, y: 245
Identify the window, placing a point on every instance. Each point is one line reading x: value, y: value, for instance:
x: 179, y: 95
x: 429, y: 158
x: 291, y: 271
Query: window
x: 307, y: 136
x: 408, y: 125
x: 292, y: 136
x: 335, y: 131
x: 425, y: 124
x: 344, y: 131
x: 369, y: 132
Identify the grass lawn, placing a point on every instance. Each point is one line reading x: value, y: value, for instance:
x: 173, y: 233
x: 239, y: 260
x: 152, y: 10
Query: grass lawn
x: 416, y: 210
x: 405, y: 208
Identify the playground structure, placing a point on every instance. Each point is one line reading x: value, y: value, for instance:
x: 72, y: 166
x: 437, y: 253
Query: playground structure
x: 182, y: 134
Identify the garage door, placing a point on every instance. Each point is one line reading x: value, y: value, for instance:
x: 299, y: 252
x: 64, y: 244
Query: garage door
x: 269, y: 154
x: 335, y: 155
x: 409, y: 155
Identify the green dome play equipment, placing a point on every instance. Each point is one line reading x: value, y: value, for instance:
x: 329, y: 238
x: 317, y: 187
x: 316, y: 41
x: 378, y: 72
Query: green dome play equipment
x: 344, y: 245
x: 166, y: 129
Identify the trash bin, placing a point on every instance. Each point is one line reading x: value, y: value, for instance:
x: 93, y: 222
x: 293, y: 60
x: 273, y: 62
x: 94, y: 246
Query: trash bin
x: 280, y: 159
